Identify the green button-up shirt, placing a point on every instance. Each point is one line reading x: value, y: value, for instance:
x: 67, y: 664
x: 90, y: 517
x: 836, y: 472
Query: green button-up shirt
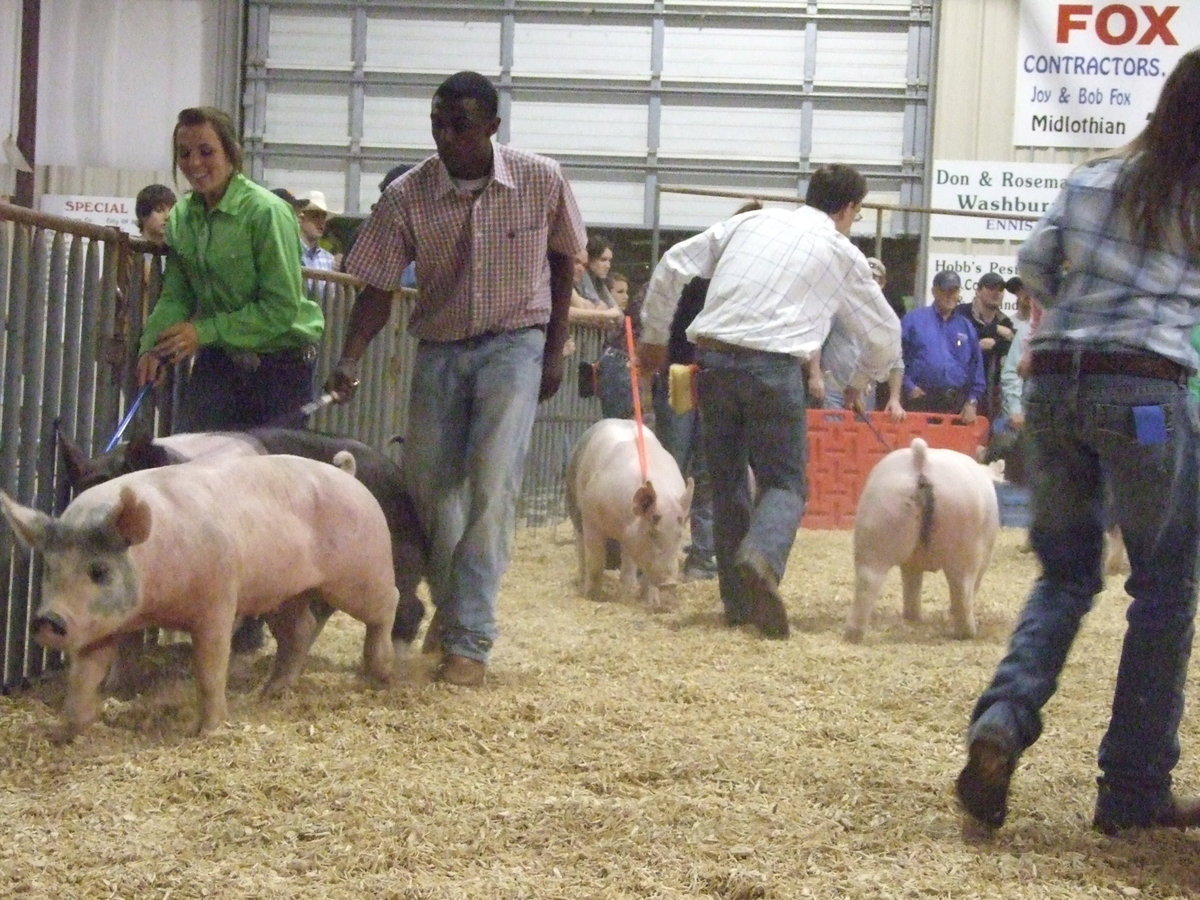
x: 234, y: 273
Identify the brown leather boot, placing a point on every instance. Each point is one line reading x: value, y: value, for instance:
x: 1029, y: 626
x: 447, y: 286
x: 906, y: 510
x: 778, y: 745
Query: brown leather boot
x: 461, y: 670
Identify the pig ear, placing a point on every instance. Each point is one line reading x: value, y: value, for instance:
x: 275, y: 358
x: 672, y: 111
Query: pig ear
x: 79, y: 466
x: 143, y: 453
x: 131, y: 518
x: 644, y: 499
x: 28, y: 524
x: 686, y: 504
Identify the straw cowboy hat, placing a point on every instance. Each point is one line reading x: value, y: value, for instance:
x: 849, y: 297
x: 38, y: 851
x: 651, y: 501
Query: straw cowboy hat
x: 315, y: 201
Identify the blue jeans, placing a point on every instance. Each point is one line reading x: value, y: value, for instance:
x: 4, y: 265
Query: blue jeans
x: 680, y: 434
x: 753, y: 413
x: 1082, y: 433
x: 471, y: 416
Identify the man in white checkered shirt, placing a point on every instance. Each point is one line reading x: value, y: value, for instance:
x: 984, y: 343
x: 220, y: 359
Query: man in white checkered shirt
x: 779, y: 278
x: 494, y: 232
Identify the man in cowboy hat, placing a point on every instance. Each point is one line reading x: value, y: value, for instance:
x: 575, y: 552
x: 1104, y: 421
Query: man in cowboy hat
x: 313, y: 212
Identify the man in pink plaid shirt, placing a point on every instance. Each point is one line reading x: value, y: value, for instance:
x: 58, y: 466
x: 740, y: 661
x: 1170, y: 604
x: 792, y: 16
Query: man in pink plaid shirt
x: 494, y: 232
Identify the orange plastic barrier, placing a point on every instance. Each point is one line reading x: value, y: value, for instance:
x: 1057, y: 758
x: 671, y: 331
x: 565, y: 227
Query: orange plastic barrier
x: 842, y: 450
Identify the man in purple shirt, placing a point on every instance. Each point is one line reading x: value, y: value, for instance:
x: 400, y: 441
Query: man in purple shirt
x: 943, y: 366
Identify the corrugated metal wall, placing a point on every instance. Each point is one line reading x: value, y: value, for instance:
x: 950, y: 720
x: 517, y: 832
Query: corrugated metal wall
x: 71, y: 296
x: 627, y: 95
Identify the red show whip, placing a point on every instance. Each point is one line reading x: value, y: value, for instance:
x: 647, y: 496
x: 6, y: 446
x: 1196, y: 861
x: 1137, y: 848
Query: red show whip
x: 637, y: 397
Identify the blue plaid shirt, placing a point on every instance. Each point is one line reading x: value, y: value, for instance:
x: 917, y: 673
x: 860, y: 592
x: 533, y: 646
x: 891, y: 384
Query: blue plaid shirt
x: 1101, y: 290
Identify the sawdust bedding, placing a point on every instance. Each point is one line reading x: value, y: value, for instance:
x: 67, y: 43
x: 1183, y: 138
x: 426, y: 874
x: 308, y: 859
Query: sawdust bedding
x: 614, y: 753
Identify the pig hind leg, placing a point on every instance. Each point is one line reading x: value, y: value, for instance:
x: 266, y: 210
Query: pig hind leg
x: 911, y: 576
x: 294, y: 627
x: 373, y: 602
x: 962, y: 585
x: 378, y: 651
x: 868, y: 585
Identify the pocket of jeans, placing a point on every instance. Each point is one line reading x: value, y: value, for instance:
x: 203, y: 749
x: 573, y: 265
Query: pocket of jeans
x: 1119, y: 421
x: 1115, y: 431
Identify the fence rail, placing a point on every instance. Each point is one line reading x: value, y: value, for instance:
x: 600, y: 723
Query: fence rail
x: 73, y: 298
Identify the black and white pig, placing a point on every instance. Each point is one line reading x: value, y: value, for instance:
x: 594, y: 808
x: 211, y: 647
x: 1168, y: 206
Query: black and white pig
x: 378, y: 472
x: 193, y: 547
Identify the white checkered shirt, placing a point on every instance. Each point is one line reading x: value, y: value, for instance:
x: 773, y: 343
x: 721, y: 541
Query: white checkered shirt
x: 779, y: 277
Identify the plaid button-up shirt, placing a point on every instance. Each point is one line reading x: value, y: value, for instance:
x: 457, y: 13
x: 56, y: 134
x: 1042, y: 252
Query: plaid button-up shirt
x: 1100, y: 289
x: 481, y: 259
x: 779, y: 280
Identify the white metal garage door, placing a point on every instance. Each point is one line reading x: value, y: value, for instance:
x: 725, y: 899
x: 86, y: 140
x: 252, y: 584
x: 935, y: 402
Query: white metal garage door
x: 628, y: 96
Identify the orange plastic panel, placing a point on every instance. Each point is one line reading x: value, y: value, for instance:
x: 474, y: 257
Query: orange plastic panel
x: 842, y: 450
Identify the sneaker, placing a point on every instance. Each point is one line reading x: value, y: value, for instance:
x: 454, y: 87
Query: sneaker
x: 762, y: 588
x: 982, y: 785
x: 1179, y: 812
x: 461, y: 670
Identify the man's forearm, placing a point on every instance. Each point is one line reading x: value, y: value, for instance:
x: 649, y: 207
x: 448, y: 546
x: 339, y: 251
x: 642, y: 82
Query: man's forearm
x: 562, y: 283
x: 371, y: 311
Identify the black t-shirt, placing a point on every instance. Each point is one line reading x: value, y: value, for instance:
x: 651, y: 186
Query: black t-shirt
x: 691, y: 301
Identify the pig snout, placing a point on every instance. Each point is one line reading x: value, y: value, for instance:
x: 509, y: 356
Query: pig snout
x: 50, y: 629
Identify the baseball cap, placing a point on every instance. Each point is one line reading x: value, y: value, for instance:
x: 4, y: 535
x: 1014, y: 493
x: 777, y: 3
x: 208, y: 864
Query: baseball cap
x: 947, y: 280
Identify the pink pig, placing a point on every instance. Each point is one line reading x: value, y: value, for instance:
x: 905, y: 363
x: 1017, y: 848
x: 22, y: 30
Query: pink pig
x: 923, y: 510
x: 608, y: 498
x: 193, y: 547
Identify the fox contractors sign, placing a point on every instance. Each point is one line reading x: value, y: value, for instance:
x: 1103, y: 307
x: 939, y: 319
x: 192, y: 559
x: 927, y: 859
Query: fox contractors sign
x: 1088, y: 74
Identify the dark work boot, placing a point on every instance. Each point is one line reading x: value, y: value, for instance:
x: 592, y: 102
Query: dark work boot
x: 982, y: 785
x: 762, y: 589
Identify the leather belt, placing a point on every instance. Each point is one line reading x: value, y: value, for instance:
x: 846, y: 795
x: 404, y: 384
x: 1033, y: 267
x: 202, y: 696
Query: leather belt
x: 1141, y: 365
x: 707, y: 343
x: 291, y: 356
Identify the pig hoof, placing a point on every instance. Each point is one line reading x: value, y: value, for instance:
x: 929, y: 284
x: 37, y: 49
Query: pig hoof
x: 62, y: 734
x: 378, y: 681
x: 853, y: 634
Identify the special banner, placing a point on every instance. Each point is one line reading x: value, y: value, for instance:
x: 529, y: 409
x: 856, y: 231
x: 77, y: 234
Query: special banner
x: 1089, y: 74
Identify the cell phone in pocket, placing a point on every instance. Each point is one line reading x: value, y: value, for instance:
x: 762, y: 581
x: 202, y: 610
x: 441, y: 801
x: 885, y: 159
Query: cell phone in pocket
x: 1150, y: 425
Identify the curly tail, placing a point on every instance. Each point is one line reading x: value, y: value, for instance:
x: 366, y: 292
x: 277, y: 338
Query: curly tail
x: 345, y: 461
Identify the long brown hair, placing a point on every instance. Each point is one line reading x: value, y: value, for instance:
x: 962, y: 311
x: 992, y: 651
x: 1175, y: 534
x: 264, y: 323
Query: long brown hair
x: 1159, y: 186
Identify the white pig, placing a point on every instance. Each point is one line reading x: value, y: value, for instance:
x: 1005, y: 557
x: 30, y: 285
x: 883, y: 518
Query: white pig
x: 191, y: 548
x: 608, y: 498
x: 923, y: 510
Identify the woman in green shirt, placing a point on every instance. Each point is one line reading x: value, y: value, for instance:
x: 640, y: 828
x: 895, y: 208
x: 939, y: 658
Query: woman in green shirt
x: 232, y: 294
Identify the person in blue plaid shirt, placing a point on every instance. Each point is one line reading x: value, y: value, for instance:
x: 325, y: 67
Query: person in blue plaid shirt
x: 1116, y: 264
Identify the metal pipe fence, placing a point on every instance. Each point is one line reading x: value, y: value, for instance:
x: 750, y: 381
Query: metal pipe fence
x: 73, y: 298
